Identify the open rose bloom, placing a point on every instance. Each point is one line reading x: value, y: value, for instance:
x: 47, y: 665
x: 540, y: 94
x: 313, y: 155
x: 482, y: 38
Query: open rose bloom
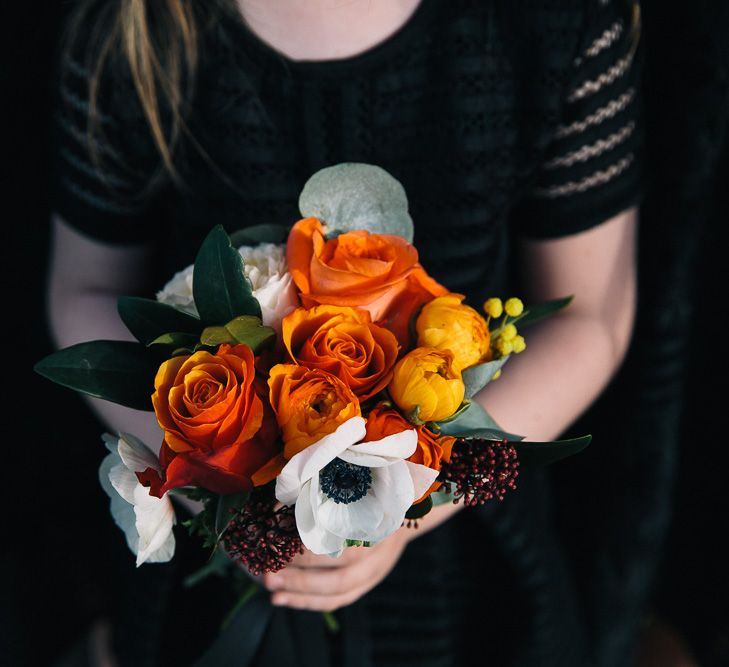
x: 313, y: 393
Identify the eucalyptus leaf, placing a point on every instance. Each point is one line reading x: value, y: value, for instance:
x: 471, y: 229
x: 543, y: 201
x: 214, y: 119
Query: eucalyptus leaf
x: 220, y: 289
x: 258, y: 234
x: 533, y: 314
x: 475, y: 419
x: 147, y: 319
x: 441, y: 497
x: 353, y: 196
x: 419, y: 510
x: 544, y: 453
x: 477, y: 377
x: 116, y: 371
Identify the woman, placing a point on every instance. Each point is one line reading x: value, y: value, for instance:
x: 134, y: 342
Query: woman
x: 515, y: 133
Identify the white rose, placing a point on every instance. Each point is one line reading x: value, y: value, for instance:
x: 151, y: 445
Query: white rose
x: 146, y: 520
x: 265, y: 268
x: 268, y: 273
x: 345, y: 489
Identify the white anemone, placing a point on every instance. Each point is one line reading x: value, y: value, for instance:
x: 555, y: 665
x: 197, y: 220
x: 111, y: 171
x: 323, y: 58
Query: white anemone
x: 385, y: 486
x: 146, y: 520
x: 266, y: 269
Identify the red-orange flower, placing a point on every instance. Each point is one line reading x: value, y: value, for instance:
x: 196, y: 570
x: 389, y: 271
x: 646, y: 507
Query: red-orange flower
x: 344, y: 342
x: 433, y: 450
x: 216, y: 431
x: 377, y: 272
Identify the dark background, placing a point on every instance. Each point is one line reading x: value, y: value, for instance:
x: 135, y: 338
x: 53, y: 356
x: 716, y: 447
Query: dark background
x: 659, y: 492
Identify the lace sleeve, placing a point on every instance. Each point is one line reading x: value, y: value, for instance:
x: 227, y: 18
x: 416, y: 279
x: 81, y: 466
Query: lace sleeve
x: 591, y: 169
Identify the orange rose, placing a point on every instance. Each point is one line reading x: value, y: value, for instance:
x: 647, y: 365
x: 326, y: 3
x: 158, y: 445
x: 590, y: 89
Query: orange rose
x: 344, y: 342
x: 309, y: 404
x: 377, y: 272
x: 432, y: 449
x: 216, y: 436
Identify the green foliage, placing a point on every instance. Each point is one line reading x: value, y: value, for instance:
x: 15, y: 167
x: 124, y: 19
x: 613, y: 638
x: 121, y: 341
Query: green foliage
x: 545, y: 453
x: 420, y: 509
x: 244, y: 329
x: 220, y: 289
x: 148, y: 320
x: 477, y: 377
x: 117, y: 371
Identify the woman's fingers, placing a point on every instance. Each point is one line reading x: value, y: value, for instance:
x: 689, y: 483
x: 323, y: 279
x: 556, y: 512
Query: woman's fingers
x: 317, y: 602
x: 319, y: 580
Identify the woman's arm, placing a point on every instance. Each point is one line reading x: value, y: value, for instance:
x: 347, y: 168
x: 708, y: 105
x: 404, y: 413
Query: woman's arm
x: 84, y: 281
x: 569, y: 360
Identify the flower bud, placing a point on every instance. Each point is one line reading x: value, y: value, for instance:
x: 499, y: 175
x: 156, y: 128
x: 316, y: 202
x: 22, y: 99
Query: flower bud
x: 445, y: 323
x: 428, y: 380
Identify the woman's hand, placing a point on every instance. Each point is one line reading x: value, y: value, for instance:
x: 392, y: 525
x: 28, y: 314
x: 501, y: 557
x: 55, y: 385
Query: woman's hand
x: 323, y: 583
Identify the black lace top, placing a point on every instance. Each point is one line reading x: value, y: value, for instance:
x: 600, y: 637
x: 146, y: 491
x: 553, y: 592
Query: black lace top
x: 500, y: 118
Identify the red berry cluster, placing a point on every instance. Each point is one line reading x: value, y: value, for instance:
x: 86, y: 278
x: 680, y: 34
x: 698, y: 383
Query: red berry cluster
x: 262, y: 538
x: 480, y: 470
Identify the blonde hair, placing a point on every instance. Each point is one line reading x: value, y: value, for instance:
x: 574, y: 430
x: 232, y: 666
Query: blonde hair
x: 158, y: 43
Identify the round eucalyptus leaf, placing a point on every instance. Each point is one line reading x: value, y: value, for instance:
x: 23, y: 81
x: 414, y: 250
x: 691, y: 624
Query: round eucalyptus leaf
x: 352, y: 196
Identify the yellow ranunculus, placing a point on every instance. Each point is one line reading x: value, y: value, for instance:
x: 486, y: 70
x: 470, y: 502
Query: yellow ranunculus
x: 445, y: 323
x: 428, y: 379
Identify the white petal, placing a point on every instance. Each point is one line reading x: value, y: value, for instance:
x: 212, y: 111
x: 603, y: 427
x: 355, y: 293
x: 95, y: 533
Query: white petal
x: 355, y: 521
x: 154, y: 518
x: 307, y: 463
x: 121, y: 511
x: 423, y: 477
x: 123, y: 480
x: 111, y: 442
x: 393, y: 487
x: 136, y: 455
x: 314, y: 536
x: 382, y: 452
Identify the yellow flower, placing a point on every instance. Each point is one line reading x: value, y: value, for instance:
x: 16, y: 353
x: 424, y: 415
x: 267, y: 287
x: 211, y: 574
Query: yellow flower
x: 447, y: 324
x: 508, y: 332
x: 514, y: 307
x: 519, y: 344
x: 493, y: 307
x: 504, y: 347
x: 427, y: 379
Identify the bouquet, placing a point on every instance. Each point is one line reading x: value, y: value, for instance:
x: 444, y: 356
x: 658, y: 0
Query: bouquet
x: 315, y: 385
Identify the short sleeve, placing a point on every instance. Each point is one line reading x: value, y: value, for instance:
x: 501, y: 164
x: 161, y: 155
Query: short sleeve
x: 591, y: 170
x: 101, y: 182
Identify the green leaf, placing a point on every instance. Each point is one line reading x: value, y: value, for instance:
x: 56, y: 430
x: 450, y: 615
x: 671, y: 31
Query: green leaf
x: 544, y: 453
x: 227, y: 504
x: 352, y: 196
x: 257, y: 234
x: 441, y: 497
x: 148, y: 319
x: 214, y: 336
x: 540, y: 311
x: 477, y: 377
x: 475, y: 420
x: 250, y: 330
x: 244, y: 329
x: 420, y: 509
x: 220, y: 289
x: 117, y: 371
x: 175, y: 340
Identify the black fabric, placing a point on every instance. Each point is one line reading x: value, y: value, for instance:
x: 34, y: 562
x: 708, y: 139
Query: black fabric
x: 467, y: 106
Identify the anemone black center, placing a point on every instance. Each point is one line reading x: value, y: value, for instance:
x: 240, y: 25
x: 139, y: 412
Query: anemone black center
x: 345, y: 482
